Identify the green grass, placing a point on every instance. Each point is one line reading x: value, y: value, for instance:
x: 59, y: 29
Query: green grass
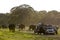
x: 6, y: 35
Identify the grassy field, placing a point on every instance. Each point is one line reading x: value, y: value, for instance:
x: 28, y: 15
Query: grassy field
x: 25, y: 35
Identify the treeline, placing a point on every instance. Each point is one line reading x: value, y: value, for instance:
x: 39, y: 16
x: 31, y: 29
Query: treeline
x: 25, y: 14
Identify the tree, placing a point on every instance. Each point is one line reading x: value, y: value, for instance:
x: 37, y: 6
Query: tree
x: 52, y: 17
x: 21, y: 14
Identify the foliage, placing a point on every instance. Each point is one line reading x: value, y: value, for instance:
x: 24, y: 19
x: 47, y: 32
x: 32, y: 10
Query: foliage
x: 25, y: 14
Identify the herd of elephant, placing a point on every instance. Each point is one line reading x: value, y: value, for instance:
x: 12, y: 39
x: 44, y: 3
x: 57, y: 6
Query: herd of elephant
x: 12, y: 27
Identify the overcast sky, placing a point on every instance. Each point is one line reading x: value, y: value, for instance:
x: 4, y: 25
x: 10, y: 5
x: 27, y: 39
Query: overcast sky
x: 6, y: 5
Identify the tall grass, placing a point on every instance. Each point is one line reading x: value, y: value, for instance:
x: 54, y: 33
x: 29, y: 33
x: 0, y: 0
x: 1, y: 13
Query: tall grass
x: 6, y: 35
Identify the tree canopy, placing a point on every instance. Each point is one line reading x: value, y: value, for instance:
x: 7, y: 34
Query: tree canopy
x: 25, y: 14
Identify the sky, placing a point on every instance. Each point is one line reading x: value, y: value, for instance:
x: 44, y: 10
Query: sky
x: 6, y: 5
